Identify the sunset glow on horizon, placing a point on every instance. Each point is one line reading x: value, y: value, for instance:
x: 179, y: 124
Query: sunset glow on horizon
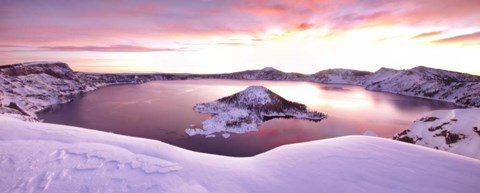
x: 213, y: 36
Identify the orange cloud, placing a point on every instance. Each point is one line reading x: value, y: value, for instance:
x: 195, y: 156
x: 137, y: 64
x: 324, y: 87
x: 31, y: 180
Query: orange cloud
x: 465, y: 38
x: 427, y: 34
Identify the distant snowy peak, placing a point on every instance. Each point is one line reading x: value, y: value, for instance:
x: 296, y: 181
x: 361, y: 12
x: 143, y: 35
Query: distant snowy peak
x: 426, y: 73
x: 270, y: 69
x: 442, y: 75
x: 267, y: 73
x: 253, y: 95
x: 456, y: 131
x: 341, y: 76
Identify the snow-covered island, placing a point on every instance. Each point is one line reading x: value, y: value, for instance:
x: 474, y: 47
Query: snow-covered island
x: 243, y: 111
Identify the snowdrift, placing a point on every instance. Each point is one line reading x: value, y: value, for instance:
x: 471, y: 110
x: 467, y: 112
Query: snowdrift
x: 39, y: 157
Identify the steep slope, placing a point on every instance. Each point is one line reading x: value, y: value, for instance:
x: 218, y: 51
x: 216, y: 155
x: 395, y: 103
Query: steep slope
x: 456, y: 131
x: 55, y: 158
x: 28, y: 88
x: 340, y: 76
x: 243, y: 111
x: 459, y: 88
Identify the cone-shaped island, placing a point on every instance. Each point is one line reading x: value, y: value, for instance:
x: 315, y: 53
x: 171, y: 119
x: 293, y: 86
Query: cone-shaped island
x: 243, y: 111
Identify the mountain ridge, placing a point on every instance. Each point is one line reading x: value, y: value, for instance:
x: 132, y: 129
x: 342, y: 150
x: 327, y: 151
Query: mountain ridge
x: 55, y: 82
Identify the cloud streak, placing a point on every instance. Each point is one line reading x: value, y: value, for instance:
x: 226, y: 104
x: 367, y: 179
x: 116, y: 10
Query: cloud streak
x: 114, y: 48
x: 465, y: 38
x: 68, y: 22
x: 427, y: 34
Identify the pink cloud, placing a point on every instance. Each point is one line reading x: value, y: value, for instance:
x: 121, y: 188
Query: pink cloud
x: 87, y: 23
x: 427, y: 34
x: 114, y: 48
x: 465, y: 38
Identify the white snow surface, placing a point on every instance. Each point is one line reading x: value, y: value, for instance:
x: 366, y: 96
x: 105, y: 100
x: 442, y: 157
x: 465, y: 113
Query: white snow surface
x: 218, y: 123
x: 254, y: 95
x: 440, y: 129
x: 40, y: 157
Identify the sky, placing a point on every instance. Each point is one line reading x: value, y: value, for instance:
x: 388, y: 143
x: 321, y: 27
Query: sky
x: 215, y: 36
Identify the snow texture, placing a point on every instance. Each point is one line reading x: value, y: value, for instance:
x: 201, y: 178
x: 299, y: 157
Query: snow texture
x: 242, y: 112
x: 456, y: 131
x: 39, y: 157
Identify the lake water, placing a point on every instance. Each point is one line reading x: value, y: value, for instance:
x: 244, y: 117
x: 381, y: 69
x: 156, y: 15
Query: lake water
x: 162, y: 110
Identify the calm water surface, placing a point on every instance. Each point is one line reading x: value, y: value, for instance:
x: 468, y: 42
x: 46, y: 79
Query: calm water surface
x: 162, y: 110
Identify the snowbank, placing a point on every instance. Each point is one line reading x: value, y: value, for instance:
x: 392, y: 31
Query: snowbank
x: 39, y: 157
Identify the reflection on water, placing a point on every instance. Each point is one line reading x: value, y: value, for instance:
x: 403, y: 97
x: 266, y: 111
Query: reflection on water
x: 163, y: 109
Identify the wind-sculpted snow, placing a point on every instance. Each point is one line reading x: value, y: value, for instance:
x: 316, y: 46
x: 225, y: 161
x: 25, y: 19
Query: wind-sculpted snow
x: 39, y: 157
x: 456, y: 131
x: 242, y: 112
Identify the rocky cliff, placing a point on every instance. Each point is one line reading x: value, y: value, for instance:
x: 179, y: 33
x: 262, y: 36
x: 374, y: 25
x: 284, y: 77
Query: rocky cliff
x: 456, y: 131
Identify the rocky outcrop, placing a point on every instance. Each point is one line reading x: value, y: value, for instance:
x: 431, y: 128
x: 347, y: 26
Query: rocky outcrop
x: 28, y: 88
x: 455, y: 131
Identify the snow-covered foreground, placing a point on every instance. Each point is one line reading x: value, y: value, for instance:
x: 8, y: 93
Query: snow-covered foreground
x: 39, y: 157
